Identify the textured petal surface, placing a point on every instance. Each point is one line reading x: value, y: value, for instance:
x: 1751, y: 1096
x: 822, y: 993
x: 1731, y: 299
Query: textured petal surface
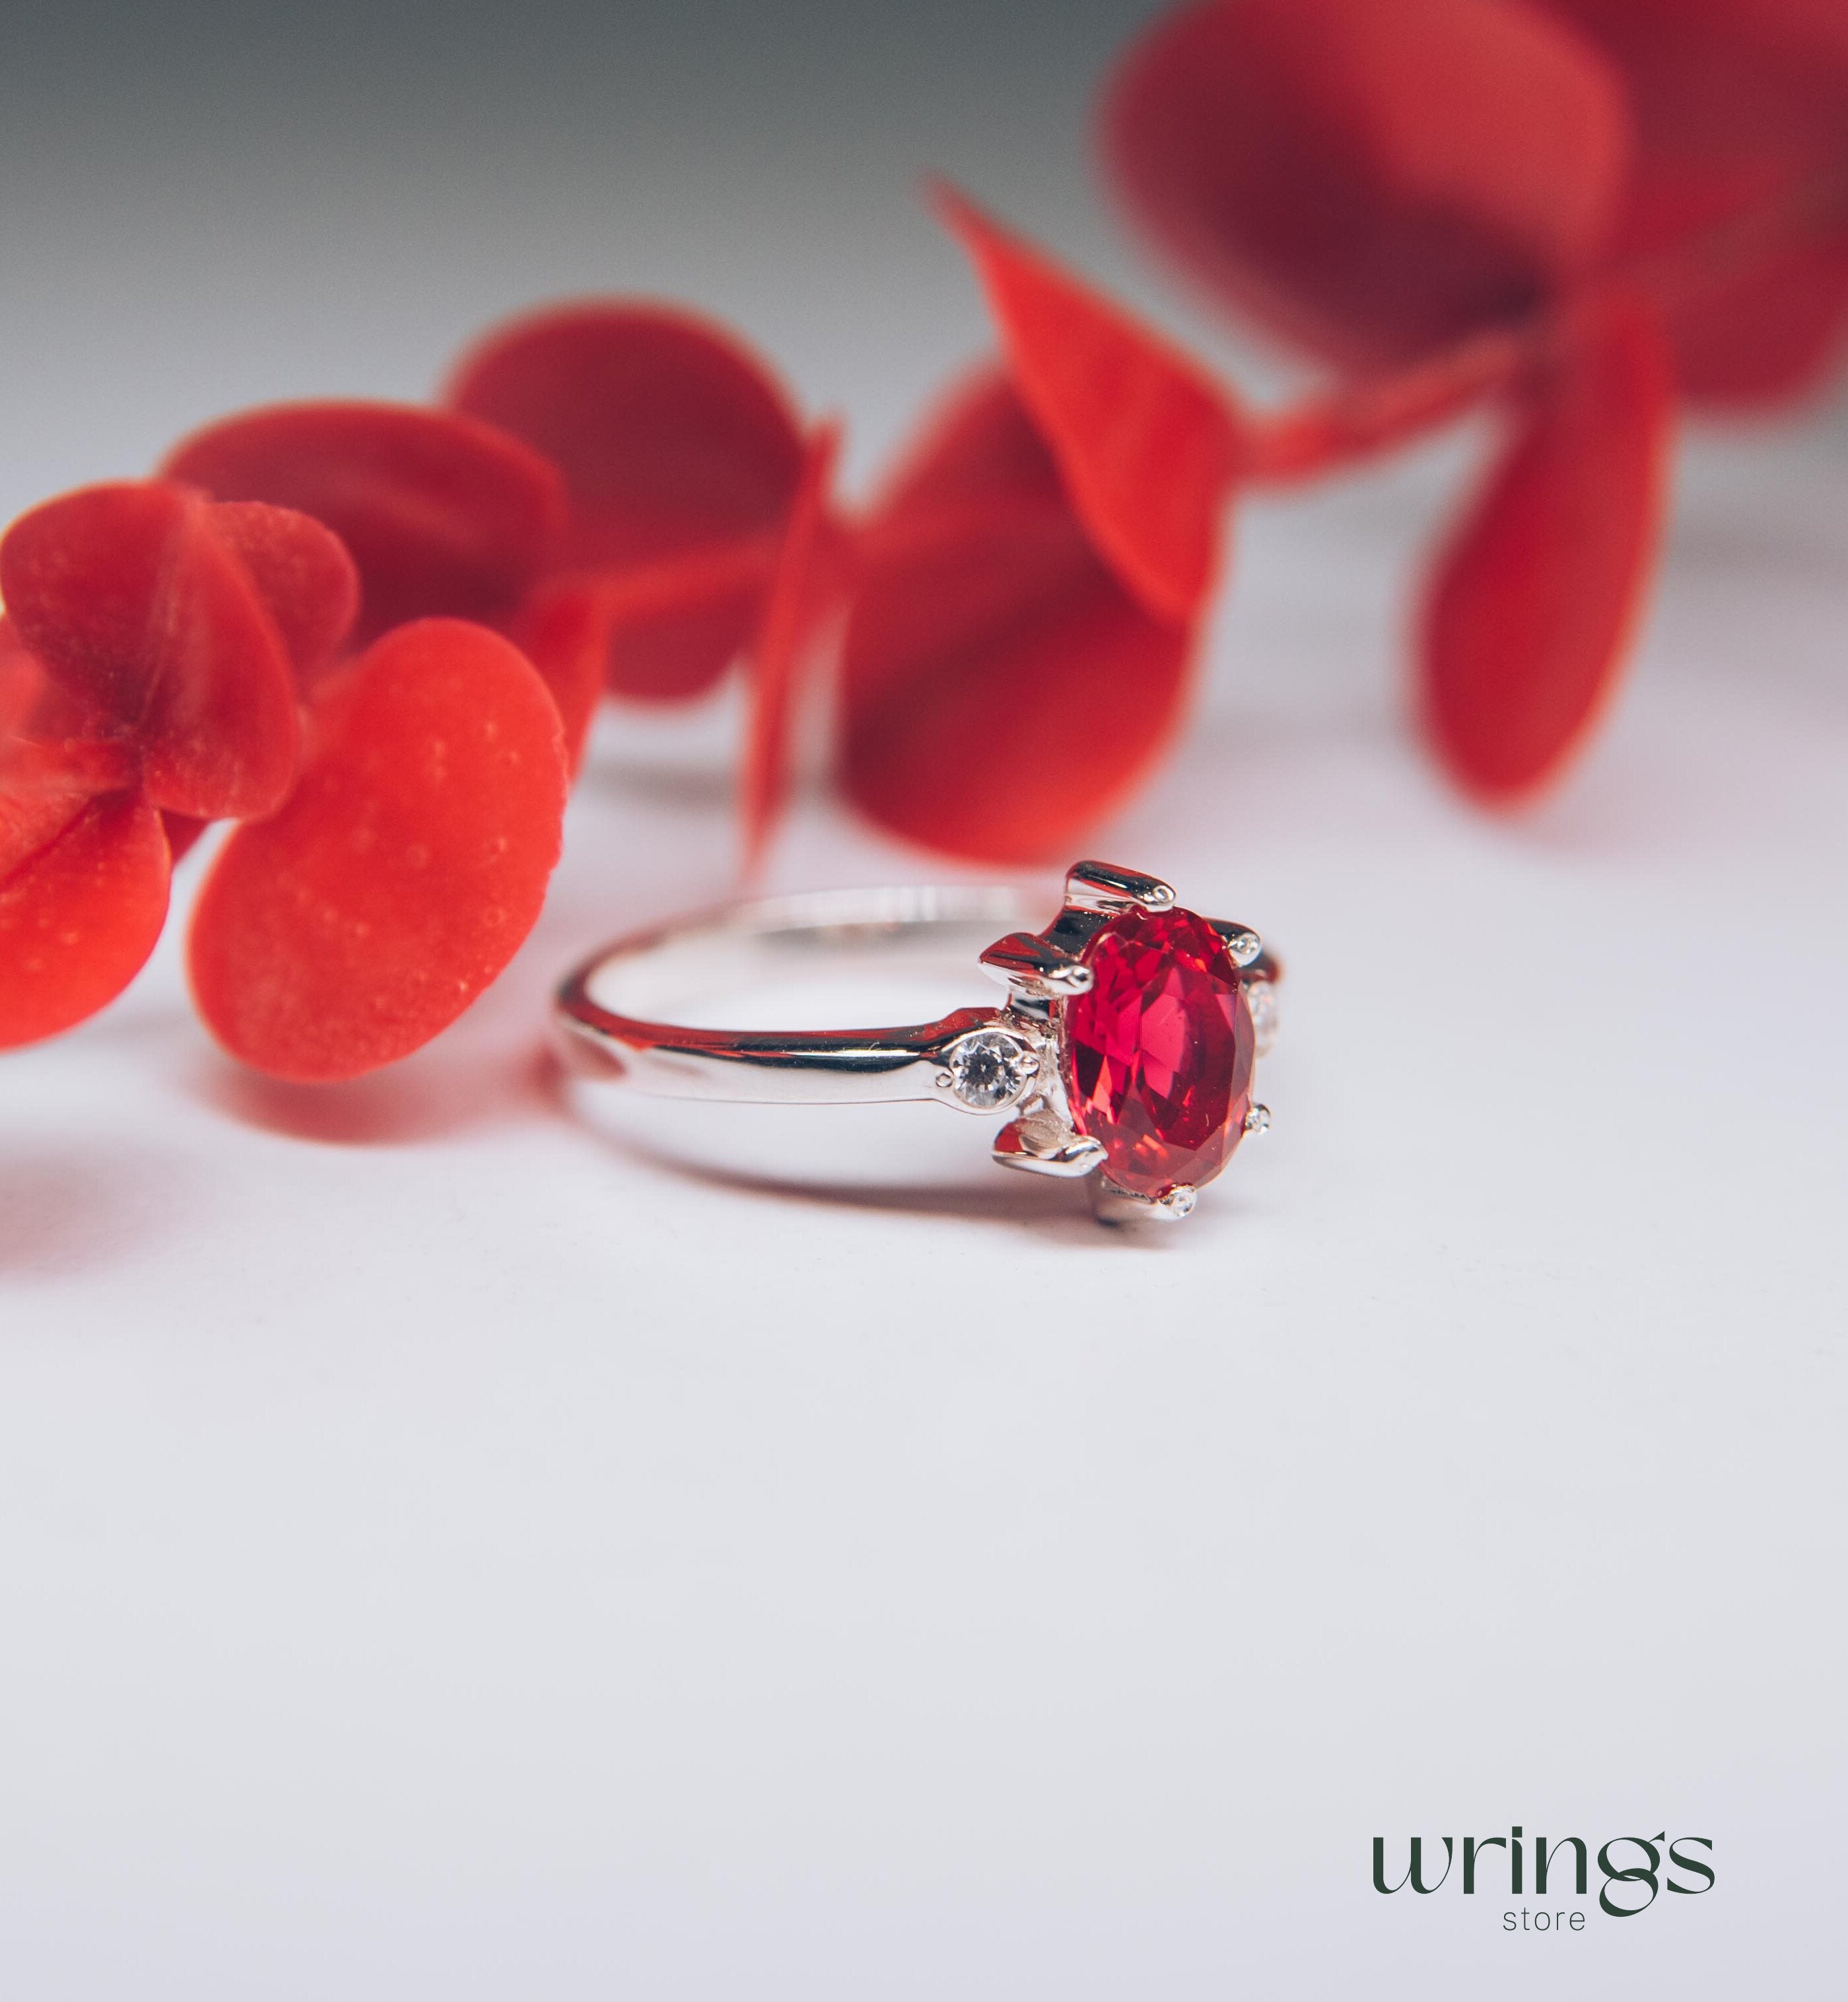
x: 1147, y: 445
x: 442, y: 514
x: 802, y: 590
x: 1001, y: 691
x: 306, y: 580
x: 79, y: 915
x: 1534, y: 604
x: 44, y: 784
x: 1371, y: 180
x: 136, y: 606
x: 409, y: 864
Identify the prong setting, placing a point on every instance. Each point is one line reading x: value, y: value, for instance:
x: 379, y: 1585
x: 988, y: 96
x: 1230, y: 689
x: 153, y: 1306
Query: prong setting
x: 1103, y: 886
x: 1033, y: 968
x: 1242, y: 943
x: 1042, y: 1143
x: 1111, y: 1205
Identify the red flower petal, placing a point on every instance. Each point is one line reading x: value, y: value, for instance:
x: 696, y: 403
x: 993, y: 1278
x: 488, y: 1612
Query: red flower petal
x: 303, y: 574
x: 406, y: 869
x: 1741, y: 192
x: 806, y: 575
x: 669, y: 433
x: 672, y: 627
x: 1365, y: 415
x: 1534, y: 604
x: 1149, y: 447
x: 135, y: 605
x: 183, y: 832
x: 1769, y: 334
x: 1001, y: 690
x: 442, y: 514
x: 21, y: 681
x: 79, y: 913
x: 44, y: 785
x: 33, y: 705
x: 564, y: 634
x: 680, y: 453
x: 1371, y: 180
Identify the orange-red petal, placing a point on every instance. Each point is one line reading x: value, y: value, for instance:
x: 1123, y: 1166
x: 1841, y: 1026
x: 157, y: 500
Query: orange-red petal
x: 802, y: 590
x: 564, y: 634
x: 79, y: 913
x: 21, y: 681
x: 132, y: 602
x: 1001, y: 690
x: 1147, y: 445
x: 1535, y: 602
x: 406, y: 869
x: 443, y: 514
x: 182, y: 833
x: 1370, y: 180
x: 308, y: 582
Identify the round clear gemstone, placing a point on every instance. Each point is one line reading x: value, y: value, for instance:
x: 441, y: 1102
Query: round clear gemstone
x: 990, y: 1068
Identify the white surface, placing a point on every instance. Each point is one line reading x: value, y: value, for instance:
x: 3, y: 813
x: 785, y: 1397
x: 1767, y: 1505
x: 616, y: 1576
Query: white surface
x: 445, y: 1551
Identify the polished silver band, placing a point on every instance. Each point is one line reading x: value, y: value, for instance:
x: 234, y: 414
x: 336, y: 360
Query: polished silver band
x: 725, y: 950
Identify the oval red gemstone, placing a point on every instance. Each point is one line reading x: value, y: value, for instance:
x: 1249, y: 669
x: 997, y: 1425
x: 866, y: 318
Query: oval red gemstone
x: 1158, y: 1054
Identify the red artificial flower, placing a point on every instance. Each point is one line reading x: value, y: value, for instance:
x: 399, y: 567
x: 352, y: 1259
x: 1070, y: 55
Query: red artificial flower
x: 1372, y: 182
x: 83, y: 883
x: 1545, y: 579
x: 1030, y: 586
x: 139, y: 606
x: 807, y: 581
x: 1455, y: 200
x: 146, y: 686
x: 1737, y: 208
x: 153, y: 671
x: 406, y: 869
x: 693, y: 498
x: 444, y: 517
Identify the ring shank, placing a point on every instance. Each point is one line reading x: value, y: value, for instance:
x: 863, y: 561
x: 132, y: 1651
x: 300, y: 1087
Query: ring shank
x: 785, y: 1067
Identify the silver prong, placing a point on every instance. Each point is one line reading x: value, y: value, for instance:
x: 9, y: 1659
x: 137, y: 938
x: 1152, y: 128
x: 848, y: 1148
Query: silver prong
x: 1032, y: 967
x: 1102, y: 886
x: 1043, y: 1144
x: 1241, y: 941
x: 1112, y: 1205
x: 1258, y: 1119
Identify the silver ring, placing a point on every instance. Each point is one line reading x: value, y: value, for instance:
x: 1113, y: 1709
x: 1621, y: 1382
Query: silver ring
x: 1123, y: 1050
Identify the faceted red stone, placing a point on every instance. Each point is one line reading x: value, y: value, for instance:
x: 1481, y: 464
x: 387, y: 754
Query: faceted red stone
x: 1158, y: 1054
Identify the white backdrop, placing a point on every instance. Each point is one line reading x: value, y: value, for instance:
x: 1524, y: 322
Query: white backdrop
x: 449, y: 1549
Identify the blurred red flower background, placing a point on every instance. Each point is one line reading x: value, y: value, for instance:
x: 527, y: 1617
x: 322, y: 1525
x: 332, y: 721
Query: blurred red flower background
x: 375, y: 636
